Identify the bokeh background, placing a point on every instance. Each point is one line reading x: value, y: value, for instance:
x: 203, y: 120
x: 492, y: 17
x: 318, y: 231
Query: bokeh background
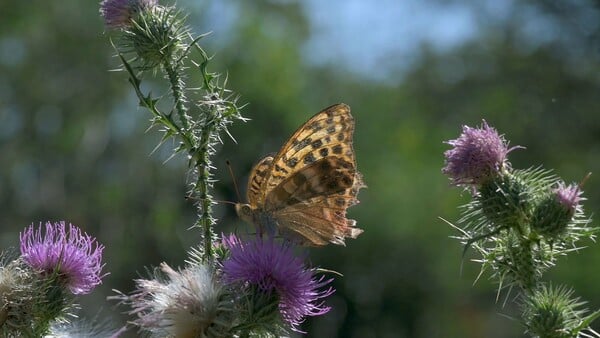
x: 74, y: 145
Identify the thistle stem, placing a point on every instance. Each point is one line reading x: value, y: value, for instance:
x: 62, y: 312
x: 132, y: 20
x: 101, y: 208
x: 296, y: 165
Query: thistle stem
x: 200, y: 156
x: 197, y: 137
x: 177, y: 90
x: 201, y: 187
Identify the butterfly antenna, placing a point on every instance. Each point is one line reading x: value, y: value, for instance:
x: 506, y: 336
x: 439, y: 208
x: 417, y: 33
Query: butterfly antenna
x: 585, y: 179
x: 237, y: 191
x: 226, y: 202
x: 192, y: 198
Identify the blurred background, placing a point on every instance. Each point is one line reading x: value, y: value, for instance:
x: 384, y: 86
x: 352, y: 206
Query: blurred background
x: 74, y: 145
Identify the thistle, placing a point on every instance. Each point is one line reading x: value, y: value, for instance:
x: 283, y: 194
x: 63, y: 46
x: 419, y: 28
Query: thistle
x: 20, y: 292
x: 558, y: 210
x: 519, y: 222
x: 155, y: 38
x: 185, y: 303
x: 478, y: 155
x: 70, y: 258
x: 273, y: 282
x: 121, y: 13
x: 37, y: 289
x: 81, y: 328
x: 553, y: 312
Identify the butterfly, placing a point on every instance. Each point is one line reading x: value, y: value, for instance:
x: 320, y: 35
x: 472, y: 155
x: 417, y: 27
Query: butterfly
x: 304, y: 190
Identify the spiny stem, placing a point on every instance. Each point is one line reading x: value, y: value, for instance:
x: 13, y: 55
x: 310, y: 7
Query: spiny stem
x: 201, y: 156
x: 197, y: 136
x: 202, y: 186
x: 177, y: 90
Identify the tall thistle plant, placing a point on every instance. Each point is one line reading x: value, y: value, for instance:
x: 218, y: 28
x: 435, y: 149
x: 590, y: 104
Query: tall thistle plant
x: 231, y: 286
x: 520, y: 222
x: 155, y: 39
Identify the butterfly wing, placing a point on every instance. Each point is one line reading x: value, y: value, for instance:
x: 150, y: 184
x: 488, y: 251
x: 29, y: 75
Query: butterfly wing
x: 256, y: 179
x: 328, y: 133
x: 326, y: 176
x: 322, y: 219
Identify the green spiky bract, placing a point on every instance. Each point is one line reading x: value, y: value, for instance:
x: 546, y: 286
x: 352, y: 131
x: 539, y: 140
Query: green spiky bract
x: 155, y: 36
x: 259, y: 314
x: 552, y: 312
x: 31, y: 301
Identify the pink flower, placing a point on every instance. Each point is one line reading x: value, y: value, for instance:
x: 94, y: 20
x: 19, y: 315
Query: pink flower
x: 274, y: 270
x: 118, y: 13
x: 477, y: 155
x: 75, y: 257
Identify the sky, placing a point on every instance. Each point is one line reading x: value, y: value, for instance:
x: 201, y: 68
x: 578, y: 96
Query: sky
x: 365, y: 35
x: 373, y: 37
x: 369, y: 37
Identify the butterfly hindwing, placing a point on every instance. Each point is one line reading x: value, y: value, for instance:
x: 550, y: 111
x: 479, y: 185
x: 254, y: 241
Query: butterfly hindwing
x: 323, y: 217
x: 255, y: 181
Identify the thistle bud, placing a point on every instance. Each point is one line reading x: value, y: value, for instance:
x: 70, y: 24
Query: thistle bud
x: 153, y: 33
x: 553, y: 214
x: 156, y: 36
x: 553, y: 312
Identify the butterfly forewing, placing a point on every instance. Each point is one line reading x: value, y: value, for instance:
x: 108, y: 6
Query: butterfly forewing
x: 328, y: 133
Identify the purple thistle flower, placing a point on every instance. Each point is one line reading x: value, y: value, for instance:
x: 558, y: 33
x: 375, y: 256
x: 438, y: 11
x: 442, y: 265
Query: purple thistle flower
x: 118, y: 13
x: 273, y: 268
x: 477, y: 155
x: 569, y: 196
x: 75, y: 257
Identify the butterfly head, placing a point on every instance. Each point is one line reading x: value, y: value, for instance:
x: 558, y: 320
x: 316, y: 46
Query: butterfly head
x: 245, y: 212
